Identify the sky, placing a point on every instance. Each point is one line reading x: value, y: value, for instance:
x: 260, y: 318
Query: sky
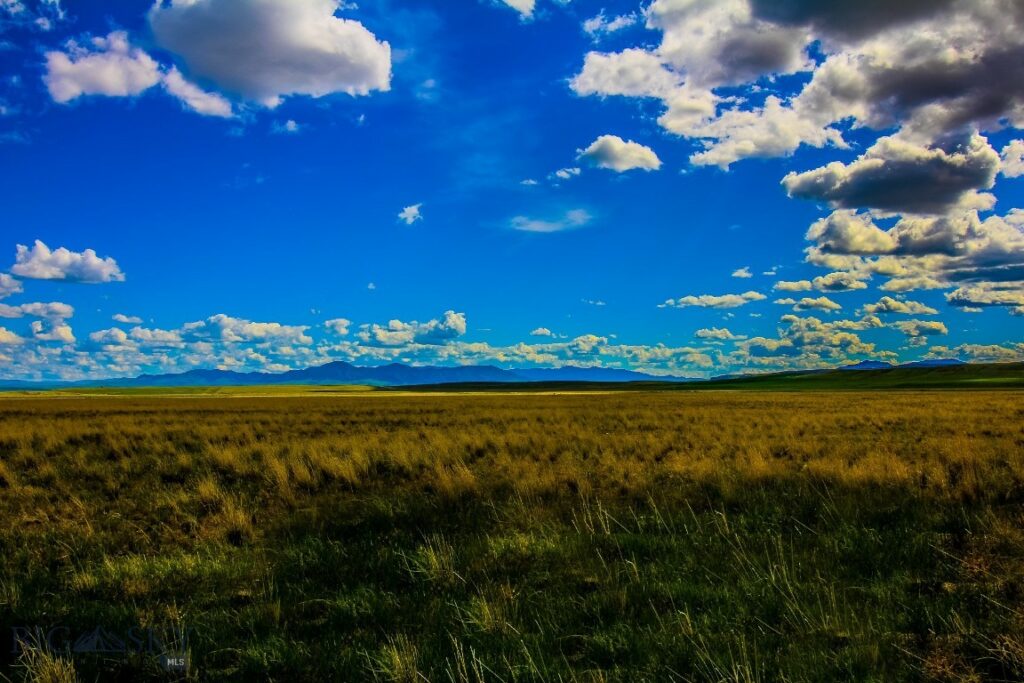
x: 686, y: 187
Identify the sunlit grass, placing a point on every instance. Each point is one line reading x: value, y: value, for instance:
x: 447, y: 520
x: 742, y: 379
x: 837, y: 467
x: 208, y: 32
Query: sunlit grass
x: 616, y: 537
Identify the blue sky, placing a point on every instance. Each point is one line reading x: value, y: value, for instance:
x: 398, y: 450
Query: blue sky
x: 681, y: 186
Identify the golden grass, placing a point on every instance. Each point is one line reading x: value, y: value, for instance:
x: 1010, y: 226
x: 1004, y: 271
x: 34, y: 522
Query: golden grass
x: 504, y: 513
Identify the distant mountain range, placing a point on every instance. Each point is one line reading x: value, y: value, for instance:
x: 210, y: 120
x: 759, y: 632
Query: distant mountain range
x: 340, y: 372
x: 867, y: 374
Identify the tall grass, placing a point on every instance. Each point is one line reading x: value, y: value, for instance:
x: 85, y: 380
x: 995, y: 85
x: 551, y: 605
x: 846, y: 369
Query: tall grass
x: 618, y: 537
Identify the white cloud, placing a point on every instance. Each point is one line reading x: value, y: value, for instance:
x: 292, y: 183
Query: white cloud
x: 821, y: 303
x: 926, y: 69
x: 920, y: 328
x: 566, y: 173
x: 714, y: 301
x: 110, y: 337
x: 50, y: 311
x: 630, y: 73
x: 793, y: 286
x: 921, y: 252
x: 575, y: 218
x: 53, y: 331
x: 612, y: 152
x: 8, y: 286
x: 985, y: 353
x: 411, y: 214
x: 40, y: 263
x: 194, y: 97
x: 158, y: 338
x: 338, y: 326
x: 542, y: 332
x: 889, y: 305
x: 839, y: 282
x: 127, y: 319
x: 717, y: 334
x: 524, y: 7
x: 112, y: 67
x: 1012, y: 157
x: 988, y: 294
x: 601, y: 25
x: 289, y: 127
x: 236, y: 330
x: 8, y: 338
x: 847, y: 232
x: 743, y: 272
x: 438, y: 331
x: 270, y: 49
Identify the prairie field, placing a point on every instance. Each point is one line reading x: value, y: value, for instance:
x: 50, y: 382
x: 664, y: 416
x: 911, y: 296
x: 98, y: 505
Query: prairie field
x: 640, y: 536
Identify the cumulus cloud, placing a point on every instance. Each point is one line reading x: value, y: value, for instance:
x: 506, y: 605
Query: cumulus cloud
x: 988, y: 294
x: 743, y: 272
x: 112, y: 337
x: 396, y: 333
x: 630, y: 73
x: 847, y: 232
x: 900, y: 176
x: 922, y: 252
x: 54, y: 331
x: 717, y: 334
x: 127, y: 319
x: 542, y: 332
x: 162, y: 338
x: 109, y: 66
x: 576, y: 218
x: 839, y: 282
x: 41, y: 263
x: 565, y: 173
x: 714, y: 301
x: 1012, y: 157
x: 614, y: 153
x: 793, y: 286
x: 921, y: 328
x: 990, y: 353
x: 889, y: 305
x: 8, y: 338
x: 115, y: 68
x: 411, y: 214
x: 811, y: 342
x: 50, y: 311
x: 821, y: 303
x: 236, y: 330
x: 338, y: 326
x: 927, y: 69
x: 8, y: 286
x: 266, y: 50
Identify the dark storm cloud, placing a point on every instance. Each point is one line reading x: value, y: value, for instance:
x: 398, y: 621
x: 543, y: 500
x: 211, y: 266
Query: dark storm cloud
x: 747, y: 53
x: 1012, y: 273
x: 900, y: 177
x: 847, y: 18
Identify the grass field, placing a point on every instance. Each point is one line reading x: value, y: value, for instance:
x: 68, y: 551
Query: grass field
x: 690, y: 536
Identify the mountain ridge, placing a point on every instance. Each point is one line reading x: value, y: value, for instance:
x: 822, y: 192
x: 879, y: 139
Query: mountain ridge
x: 342, y: 372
